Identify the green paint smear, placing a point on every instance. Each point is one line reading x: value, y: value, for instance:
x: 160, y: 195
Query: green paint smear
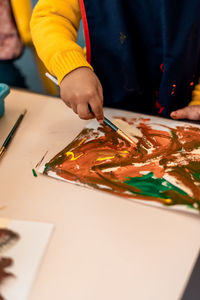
x: 150, y: 185
x: 34, y: 173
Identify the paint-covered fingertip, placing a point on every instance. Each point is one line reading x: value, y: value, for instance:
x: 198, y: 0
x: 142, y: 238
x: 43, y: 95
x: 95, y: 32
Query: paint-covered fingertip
x: 100, y: 121
x: 173, y: 115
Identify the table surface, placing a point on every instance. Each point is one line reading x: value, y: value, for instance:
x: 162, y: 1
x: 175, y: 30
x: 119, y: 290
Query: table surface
x: 102, y: 247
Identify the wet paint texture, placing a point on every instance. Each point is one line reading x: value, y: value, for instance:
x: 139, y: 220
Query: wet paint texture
x: 164, y: 167
x: 150, y: 185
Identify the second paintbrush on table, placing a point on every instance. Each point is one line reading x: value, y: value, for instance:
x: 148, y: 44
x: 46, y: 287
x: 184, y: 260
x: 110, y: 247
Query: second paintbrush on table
x: 11, y: 134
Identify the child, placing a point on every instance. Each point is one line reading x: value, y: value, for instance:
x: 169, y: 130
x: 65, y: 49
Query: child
x: 14, y: 35
x: 14, y: 31
x: 145, y: 54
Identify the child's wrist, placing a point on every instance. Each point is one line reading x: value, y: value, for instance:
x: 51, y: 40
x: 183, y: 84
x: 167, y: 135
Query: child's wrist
x: 65, y: 62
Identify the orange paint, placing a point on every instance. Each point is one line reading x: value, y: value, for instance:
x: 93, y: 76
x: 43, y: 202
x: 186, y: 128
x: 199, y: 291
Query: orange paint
x: 173, y: 89
x: 106, y: 161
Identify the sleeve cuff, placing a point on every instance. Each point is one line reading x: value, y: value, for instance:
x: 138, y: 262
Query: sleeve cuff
x: 67, y: 61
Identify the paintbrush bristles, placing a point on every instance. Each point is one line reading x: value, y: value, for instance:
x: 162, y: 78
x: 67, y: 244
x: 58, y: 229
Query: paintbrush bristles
x: 122, y: 134
x: 2, y: 150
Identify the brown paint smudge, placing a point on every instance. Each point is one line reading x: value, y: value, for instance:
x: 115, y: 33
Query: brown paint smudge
x: 158, y: 151
x: 7, y: 237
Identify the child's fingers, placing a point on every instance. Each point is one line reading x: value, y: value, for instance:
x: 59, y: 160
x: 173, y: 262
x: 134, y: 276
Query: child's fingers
x: 84, y: 112
x: 189, y: 112
x: 100, y: 90
x: 178, y: 114
x: 68, y: 104
x: 97, y: 108
x: 71, y: 105
x: 74, y: 108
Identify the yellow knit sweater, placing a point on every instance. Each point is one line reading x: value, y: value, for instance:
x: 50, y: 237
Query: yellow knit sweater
x: 22, y: 12
x: 54, y: 27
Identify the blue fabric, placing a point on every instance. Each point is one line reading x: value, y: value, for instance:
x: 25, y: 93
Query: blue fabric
x: 129, y: 42
x: 4, y: 91
x: 11, y: 75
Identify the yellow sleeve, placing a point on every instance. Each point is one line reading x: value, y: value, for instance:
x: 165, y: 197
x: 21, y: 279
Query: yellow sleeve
x: 54, y: 27
x: 196, y: 96
x: 22, y: 12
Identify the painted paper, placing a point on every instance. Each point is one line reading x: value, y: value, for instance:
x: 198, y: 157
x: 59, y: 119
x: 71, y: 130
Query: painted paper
x: 164, y: 168
x: 22, y: 245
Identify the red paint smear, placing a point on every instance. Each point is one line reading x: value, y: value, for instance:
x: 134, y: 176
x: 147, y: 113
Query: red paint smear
x: 173, y: 89
x: 86, y: 30
x: 159, y: 107
x: 162, y: 67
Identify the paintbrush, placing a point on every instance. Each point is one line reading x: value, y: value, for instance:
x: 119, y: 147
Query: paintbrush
x: 119, y: 131
x: 106, y: 121
x: 11, y: 134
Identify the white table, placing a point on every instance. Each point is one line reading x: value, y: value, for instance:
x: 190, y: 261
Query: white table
x: 103, y: 247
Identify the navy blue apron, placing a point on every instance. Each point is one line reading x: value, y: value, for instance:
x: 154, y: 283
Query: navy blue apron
x: 145, y: 52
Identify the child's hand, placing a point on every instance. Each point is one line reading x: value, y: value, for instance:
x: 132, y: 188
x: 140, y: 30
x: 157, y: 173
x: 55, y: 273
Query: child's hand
x: 189, y: 112
x: 81, y: 88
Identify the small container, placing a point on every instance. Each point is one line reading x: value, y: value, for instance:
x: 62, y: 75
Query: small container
x: 4, y: 91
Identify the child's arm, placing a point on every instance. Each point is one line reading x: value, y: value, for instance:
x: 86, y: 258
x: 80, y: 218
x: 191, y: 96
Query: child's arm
x: 191, y: 112
x: 54, y: 27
